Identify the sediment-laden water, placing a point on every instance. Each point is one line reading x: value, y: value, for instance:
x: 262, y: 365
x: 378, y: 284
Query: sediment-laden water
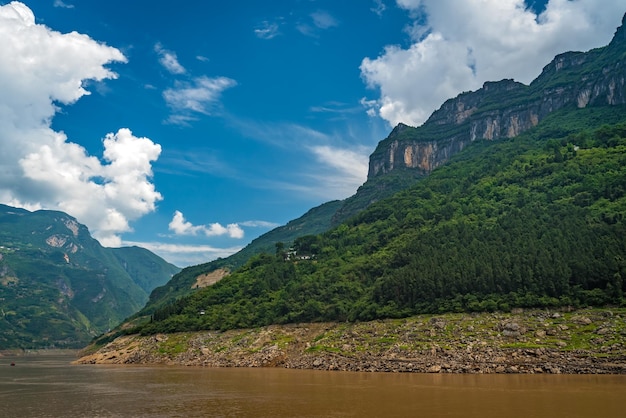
x: 49, y: 386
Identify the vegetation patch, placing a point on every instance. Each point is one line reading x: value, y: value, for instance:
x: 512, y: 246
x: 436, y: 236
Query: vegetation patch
x: 173, y: 345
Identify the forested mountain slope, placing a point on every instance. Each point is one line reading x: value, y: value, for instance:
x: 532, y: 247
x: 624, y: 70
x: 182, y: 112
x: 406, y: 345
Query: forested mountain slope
x: 533, y: 221
x: 315, y: 221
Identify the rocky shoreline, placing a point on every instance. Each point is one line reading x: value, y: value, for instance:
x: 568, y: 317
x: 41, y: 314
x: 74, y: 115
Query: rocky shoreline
x: 591, y: 341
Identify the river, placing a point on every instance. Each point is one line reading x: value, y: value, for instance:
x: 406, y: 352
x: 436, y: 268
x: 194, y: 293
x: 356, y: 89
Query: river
x: 48, y: 386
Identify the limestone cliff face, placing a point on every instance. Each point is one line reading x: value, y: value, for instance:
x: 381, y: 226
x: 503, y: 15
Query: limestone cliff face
x: 506, y: 108
x: 423, y: 156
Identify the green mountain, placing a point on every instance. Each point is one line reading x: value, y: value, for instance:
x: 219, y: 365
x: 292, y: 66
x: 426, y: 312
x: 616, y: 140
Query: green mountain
x: 59, y: 287
x: 315, y: 221
x: 537, y: 221
x: 535, y: 218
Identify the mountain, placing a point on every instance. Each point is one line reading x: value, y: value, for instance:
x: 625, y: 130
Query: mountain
x: 470, y: 192
x: 502, y: 109
x: 506, y: 108
x: 59, y: 287
x: 538, y: 221
x: 498, y: 110
x: 516, y: 197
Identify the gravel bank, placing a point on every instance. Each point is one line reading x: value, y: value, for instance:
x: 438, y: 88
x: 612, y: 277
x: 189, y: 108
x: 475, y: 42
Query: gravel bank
x: 586, y: 341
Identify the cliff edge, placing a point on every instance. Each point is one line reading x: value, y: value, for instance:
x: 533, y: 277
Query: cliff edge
x: 506, y: 108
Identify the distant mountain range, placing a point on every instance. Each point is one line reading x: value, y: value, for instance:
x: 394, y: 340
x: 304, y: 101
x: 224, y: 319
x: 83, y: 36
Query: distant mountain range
x: 59, y: 287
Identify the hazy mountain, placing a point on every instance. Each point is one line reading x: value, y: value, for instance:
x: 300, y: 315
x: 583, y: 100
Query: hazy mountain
x: 59, y: 287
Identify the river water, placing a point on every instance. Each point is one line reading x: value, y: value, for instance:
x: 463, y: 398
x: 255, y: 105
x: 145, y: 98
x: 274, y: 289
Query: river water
x: 48, y: 386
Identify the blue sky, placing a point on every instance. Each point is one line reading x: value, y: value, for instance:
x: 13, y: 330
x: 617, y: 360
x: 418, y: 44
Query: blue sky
x: 192, y: 127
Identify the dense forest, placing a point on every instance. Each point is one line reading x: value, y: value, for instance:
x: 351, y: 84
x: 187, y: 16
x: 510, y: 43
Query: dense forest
x: 535, y: 221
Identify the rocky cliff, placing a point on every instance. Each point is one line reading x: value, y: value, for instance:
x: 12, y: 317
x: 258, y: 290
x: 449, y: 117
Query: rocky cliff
x: 506, y: 108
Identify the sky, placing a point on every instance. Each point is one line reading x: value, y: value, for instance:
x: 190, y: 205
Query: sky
x: 192, y: 127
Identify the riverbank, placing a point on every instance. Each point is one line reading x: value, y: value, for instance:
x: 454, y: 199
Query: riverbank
x: 40, y: 352
x: 535, y: 341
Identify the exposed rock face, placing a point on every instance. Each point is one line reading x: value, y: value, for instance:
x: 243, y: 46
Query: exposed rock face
x: 424, y: 156
x: 506, y: 108
x: 73, y: 226
x: 62, y: 241
x: 209, y: 279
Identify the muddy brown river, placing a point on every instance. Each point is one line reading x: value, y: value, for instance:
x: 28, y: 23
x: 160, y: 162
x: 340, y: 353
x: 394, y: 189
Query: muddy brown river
x: 49, y: 386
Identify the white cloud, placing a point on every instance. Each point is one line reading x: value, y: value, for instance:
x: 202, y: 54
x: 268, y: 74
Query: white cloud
x: 278, y: 134
x: 169, y: 60
x: 199, y: 96
x: 180, y: 226
x: 182, y: 120
x: 339, y: 168
x: 183, y: 255
x: 324, y: 20
x: 192, y: 96
x: 467, y: 43
x: 40, y: 168
x: 267, y: 30
x: 306, y: 29
x: 118, y: 191
x: 379, y: 7
x: 338, y: 108
x: 346, y: 169
x: 61, y: 3
x: 191, y: 161
x: 320, y: 20
x: 259, y: 224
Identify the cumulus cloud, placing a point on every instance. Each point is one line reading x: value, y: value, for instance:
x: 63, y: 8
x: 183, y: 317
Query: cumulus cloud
x: 169, y: 60
x: 198, y: 96
x: 41, y: 69
x: 457, y: 46
x: 180, y: 226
